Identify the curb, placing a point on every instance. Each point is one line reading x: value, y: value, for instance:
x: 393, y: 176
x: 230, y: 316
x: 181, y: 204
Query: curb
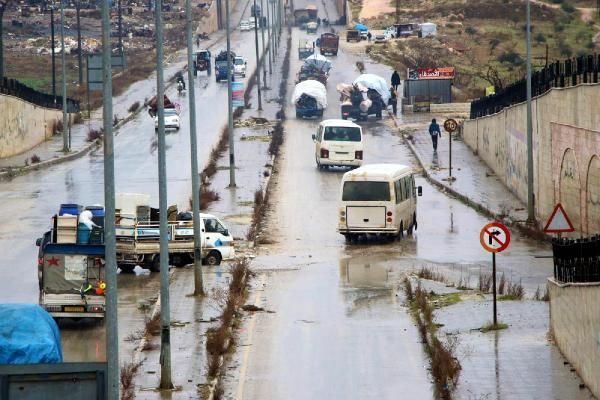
x: 7, y: 175
x: 480, y: 208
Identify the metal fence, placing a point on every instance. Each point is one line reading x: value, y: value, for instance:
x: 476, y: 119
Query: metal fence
x: 577, y: 260
x: 15, y: 88
x: 571, y: 72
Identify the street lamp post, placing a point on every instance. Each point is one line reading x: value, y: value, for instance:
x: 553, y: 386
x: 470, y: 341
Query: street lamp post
x: 262, y: 33
x: 230, y: 102
x: 110, y: 252
x: 530, y: 198
x: 198, y: 284
x: 165, y: 317
x: 257, y: 56
x: 269, y: 19
x: 65, y: 132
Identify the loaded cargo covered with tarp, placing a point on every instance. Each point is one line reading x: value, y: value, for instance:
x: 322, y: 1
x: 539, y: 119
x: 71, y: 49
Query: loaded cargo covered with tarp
x: 72, y: 280
x: 310, y: 98
x: 28, y: 335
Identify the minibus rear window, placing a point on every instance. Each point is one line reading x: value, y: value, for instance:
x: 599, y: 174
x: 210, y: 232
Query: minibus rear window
x: 366, y: 191
x: 342, y: 134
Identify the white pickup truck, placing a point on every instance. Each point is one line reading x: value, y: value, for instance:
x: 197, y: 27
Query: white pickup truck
x: 239, y: 66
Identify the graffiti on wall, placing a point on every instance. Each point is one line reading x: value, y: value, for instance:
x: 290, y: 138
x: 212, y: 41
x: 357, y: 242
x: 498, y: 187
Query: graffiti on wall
x: 576, y: 166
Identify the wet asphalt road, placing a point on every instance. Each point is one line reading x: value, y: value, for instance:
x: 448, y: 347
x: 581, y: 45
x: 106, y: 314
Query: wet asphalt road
x: 29, y: 201
x: 340, y: 329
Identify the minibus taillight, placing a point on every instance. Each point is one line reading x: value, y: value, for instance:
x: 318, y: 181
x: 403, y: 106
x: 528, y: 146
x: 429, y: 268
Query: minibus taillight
x: 389, y: 214
x: 358, y: 155
x: 324, y: 153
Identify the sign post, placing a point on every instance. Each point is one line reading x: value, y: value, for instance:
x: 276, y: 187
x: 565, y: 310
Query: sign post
x: 494, y: 238
x: 450, y: 126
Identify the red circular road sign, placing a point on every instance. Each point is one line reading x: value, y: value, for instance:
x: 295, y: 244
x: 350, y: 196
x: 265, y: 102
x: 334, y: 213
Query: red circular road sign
x: 494, y: 237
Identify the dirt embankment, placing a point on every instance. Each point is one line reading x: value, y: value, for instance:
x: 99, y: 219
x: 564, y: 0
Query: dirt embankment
x: 485, y: 40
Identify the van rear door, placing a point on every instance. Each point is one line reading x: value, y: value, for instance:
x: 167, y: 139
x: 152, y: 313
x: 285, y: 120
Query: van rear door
x: 365, y: 217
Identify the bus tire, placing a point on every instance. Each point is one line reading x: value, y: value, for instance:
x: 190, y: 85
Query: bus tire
x: 401, y: 230
x: 415, y: 221
x: 213, y: 258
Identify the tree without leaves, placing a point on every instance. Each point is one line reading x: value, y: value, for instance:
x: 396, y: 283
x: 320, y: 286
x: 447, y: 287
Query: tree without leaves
x: 492, y: 76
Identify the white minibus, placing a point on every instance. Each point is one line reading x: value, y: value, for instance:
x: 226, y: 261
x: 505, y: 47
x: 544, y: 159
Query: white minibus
x: 378, y: 199
x: 338, y: 142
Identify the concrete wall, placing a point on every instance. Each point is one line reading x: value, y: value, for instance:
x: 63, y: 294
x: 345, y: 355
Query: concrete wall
x: 575, y: 325
x: 566, y: 126
x: 23, y: 125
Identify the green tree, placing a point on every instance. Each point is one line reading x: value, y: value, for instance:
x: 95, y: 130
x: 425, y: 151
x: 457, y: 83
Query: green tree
x: 540, y: 38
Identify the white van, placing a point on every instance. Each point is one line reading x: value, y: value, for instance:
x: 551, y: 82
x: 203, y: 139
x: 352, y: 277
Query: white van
x: 338, y: 142
x: 379, y: 199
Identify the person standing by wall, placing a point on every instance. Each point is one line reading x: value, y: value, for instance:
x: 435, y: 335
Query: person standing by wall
x: 395, y: 80
x: 434, y: 131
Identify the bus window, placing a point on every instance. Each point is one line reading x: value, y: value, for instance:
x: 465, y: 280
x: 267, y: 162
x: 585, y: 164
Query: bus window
x: 366, y: 191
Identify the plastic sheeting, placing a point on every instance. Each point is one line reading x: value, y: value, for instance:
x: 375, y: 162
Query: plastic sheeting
x: 361, y: 27
x: 317, y: 61
x: 28, y: 335
x: 375, y: 82
x: 312, y: 88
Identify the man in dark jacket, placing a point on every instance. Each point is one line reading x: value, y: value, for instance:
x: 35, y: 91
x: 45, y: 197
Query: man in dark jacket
x: 434, y: 131
x: 395, y: 80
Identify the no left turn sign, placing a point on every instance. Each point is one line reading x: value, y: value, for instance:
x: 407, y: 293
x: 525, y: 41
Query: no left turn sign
x: 494, y: 237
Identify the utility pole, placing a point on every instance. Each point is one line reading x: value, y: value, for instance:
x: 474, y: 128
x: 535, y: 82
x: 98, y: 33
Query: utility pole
x: 230, y: 102
x: 3, y: 6
x: 262, y: 33
x: 65, y: 132
x: 110, y: 247
x: 270, y: 40
x: 165, y: 317
x: 53, y: 57
x: 273, y: 30
x: 530, y: 205
x: 198, y: 284
x: 257, y: 56
x: 79, y: 51
x: 120, y: 16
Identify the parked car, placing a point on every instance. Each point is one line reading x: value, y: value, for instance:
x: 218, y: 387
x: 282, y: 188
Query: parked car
x: 239, y: 66
x: 171, y: 119
x: 380, y: 39
x: 364, y: 35
x: 244, y: 26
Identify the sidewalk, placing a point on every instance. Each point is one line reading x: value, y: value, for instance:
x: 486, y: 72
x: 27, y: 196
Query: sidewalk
x: 474, y: 182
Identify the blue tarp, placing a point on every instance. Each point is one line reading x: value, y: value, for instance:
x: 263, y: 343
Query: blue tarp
x: 28, y: 335
x: 361, y: 27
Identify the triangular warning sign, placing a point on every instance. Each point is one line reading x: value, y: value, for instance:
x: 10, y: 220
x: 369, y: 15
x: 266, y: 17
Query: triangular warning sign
x: 559, y: 221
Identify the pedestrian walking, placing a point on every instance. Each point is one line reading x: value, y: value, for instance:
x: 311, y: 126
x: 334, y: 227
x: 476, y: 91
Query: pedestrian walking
x: 369, y: 36
x: 393, y: 101
x: 395, y: 80
x: 434, y: 131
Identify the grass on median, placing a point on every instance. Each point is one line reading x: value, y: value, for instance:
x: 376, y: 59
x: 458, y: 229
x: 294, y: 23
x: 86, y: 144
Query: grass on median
x: 491, y: 327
